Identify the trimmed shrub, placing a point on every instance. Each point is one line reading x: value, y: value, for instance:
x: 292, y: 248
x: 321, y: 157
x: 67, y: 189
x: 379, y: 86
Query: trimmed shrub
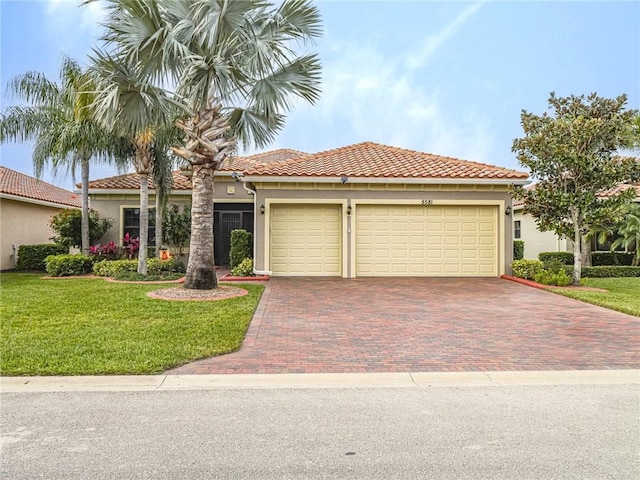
x: 610, y: 271
x: 518, y: 249
x: 559, y: 278
x: 155, y: 266
x: 66, y: 265
x: 611, y: 258
x: 565, y: 258
x: 32, y: 257
x: 117, y: 268
x: 243, y: 269
x: 136, y: 277
x: 110, y: 268
x: 241, y: 247
x: 526, y: 268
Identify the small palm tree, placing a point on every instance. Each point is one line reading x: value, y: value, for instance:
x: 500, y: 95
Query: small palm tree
x: 59, y: 120
x: 629, y: 232
x: 235, y: 71
x: 142, y: 113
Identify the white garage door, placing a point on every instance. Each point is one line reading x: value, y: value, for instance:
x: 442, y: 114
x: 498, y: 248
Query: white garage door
x: 412, y: 240
x: 305, y: 240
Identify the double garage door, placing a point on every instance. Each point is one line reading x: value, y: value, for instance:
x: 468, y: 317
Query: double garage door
x: 390, y: 240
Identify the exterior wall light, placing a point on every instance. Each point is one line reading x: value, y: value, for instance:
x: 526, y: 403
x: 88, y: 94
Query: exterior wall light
x: 349, y: 210
x: 507, y: 211
x: 262, y: 209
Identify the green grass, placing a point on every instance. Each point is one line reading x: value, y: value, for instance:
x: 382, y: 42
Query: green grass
x: 93, y: 327
x: 623, y: 294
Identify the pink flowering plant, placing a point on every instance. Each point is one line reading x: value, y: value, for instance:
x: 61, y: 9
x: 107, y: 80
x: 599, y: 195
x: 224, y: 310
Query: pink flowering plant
x: 130, y: 246
x: 110, y: 251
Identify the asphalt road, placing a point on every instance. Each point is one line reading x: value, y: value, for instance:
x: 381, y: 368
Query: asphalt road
x: 512, y: 432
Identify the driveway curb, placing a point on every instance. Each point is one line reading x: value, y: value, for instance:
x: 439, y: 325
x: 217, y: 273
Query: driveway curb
x: 161, y: 383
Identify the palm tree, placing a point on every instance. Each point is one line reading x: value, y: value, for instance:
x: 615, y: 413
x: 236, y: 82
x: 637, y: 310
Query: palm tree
x: 59, y: 120
x: 143, y: 114
x: 629, y: 232
x: 235, y: 72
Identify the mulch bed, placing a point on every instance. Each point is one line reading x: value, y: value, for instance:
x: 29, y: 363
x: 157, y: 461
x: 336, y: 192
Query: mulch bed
x: 531, y: 283
x: 181, y: 294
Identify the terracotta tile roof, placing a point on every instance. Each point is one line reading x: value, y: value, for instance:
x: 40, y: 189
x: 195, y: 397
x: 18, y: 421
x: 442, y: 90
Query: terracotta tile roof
x: 620, y: 188
x: 239, y: 164
x: 131, y: 181
x: 603, y: 194
x: 21, y: 185
x: 372, y: 160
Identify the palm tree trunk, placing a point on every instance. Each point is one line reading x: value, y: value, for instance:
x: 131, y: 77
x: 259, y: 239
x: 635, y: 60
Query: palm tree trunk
x: 201, y: 269
x: 84, y: 223
x: 144, y: 224
x: 159, y: 215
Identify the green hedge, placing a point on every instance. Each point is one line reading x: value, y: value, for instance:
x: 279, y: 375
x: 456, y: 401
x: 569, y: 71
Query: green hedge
x: 66, y: 265
x: 565, y: 258
x: 32, y: 257
x: 611, y: 271
x: 609, y: 258
x: 114, y: 268
x: 241, y: 247
x: 518, y: 249
x: 526, y: 268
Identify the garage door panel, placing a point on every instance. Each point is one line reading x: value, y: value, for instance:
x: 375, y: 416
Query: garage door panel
x: 430, y: 240
x: 305, y: 240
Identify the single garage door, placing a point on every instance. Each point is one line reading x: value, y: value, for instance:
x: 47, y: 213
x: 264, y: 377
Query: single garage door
x: 431, y: 240
x: 305, y: 240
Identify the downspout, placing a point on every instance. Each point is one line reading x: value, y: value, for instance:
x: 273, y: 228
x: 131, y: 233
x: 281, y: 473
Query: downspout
x: 252, y: 192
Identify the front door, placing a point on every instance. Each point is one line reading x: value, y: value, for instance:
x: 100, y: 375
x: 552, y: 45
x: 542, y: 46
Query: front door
x: 228, y: 221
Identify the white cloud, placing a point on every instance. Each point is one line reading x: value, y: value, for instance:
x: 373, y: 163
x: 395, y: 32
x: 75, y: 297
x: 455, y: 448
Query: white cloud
x: 370, y: 95
x: 73, y: 28
x: 435, y: 41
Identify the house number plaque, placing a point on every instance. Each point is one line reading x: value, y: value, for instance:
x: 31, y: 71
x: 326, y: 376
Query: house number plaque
x: 426, y: 201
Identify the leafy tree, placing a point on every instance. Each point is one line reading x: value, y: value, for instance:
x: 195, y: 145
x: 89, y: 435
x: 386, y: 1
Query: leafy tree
x: 235, y: 71
x: 67, y: 226
x: 572, y: 154
x: 59, y: 120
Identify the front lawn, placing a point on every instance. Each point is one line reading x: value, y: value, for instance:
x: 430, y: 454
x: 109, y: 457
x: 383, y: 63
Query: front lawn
x: 623, y: 294
x: 91, y: 327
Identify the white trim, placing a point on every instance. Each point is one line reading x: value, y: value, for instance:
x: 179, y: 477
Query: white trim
x: 399, y: 180
x: 123, y: 191
x: 35, y: 201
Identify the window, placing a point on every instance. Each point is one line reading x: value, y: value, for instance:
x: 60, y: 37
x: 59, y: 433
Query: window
x: 517, y: 233
x: 131, y: 219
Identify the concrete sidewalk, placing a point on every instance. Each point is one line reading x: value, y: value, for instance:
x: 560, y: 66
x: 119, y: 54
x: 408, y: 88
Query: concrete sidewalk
x: 315, y: 380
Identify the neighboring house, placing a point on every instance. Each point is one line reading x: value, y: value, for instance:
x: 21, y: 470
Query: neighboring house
x: 26, y: 207
x: 361, y: 210
x: 525, y: 228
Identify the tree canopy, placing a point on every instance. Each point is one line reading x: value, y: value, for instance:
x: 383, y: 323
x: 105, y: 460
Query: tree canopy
x: 572, y: 151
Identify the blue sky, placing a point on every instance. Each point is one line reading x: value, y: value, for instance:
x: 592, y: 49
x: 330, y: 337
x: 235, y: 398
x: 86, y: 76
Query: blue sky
x: 443, y: 77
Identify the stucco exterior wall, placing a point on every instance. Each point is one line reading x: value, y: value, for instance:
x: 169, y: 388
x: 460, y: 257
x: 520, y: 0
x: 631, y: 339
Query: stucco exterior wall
x: 351, y: 194
x: 536, y: 241
x: 22, y: 223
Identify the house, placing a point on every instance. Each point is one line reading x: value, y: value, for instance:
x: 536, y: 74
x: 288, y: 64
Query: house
x: 26, y: 207
x: 362, y: 210
x: 535, y: 241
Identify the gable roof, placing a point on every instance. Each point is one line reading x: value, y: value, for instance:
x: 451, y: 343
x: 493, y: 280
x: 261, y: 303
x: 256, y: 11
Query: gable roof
x: 372, y: 160
x: 131, y: 181
x: 17, y: 186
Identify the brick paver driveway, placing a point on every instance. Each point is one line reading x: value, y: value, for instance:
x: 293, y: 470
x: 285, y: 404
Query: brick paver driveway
x: 425, y: 324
